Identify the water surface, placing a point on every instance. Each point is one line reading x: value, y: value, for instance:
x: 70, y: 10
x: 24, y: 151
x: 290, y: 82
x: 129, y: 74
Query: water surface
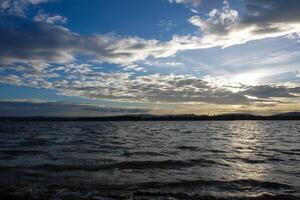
x: 150, y: 160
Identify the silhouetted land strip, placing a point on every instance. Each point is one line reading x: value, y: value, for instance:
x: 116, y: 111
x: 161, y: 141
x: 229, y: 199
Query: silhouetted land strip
x: 142, y: 117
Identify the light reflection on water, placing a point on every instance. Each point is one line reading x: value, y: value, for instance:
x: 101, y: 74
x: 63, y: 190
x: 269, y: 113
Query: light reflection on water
x: 129, y: 158
x: 248, y: 140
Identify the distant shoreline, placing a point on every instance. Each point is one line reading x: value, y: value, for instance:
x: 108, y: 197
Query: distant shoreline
x: 187, y: 117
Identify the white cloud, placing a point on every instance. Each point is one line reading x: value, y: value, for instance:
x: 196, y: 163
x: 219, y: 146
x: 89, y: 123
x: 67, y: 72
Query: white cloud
x: 163, y: 63
x: 49, y: 18
x: 134, y: 67
x: 194, y: 3
x: 224, y: 27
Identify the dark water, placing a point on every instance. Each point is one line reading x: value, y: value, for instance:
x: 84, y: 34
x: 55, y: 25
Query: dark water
x: 150, y: 160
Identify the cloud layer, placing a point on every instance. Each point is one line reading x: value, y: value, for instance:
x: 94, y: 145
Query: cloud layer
x: 36, y: 108
x: 82, y: 80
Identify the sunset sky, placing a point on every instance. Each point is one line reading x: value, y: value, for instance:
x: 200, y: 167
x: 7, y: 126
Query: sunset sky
x: 115, y: 57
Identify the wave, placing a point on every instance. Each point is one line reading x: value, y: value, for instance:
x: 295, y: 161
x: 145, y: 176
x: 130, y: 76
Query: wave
x: 188, y: 148
x: 233, y: 184
x: 193, y: 148
x: 142, y: 153
x: 186, y: 196
x: 65, y: 194
x: 165, y: 164
x: 19, y: 152
x: 35, y: 142
x: 186, y: 190
x: 287, y: 152
x: 255, y: 161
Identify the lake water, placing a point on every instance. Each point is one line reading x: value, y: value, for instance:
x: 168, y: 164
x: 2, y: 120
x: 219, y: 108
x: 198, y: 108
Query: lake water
x: 150, y: 160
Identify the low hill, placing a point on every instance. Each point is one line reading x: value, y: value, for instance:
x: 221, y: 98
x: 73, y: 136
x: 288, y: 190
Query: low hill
x: 148, y: 117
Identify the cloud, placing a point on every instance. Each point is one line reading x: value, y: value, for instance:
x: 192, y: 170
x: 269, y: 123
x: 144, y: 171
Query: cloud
x: 267, y: 91
x: 11, y: 79
x: 275, y: 11
x: 219, y: 22
x: 34, y: 42
x: 42, y: 108
x: 163, y: 63
x: 82, y: 80
x: 49, y: 18
x: 18, y: 7
x: 193, y: 3
x: 175, y: 89
x: 23, y: 40
x: 134, y: 67
x: 35, y: 70
x: 262, y: 19
x: 41, y: 42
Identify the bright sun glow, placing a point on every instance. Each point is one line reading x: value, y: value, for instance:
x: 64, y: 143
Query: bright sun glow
x: 247, y: 78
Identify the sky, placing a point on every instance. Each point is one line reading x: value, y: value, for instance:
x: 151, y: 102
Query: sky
x: 100, y: 57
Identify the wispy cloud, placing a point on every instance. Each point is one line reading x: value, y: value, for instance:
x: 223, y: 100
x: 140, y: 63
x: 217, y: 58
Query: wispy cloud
x: 193, y: 3
x: 18, y: 7
x: 41, y: 16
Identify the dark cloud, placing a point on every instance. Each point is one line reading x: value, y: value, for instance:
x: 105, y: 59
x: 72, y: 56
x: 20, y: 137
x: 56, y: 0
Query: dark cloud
x: 27, y: 108
x: 267, y: 91
x: 272, y: 11
x: 23, y: 40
